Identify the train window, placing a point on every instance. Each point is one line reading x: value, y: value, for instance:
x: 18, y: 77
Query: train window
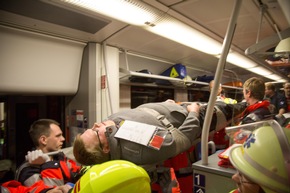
x: 198, y: 95
x: 141, y: 95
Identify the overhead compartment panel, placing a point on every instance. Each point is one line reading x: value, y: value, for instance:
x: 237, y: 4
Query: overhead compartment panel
x: 32, y: 63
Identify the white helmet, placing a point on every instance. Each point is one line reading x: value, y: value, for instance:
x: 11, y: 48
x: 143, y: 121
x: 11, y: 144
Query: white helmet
x: 265, y: 157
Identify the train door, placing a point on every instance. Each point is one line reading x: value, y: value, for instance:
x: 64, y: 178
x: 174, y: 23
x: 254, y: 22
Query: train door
x: 3, y: 129
x: 23, y: 111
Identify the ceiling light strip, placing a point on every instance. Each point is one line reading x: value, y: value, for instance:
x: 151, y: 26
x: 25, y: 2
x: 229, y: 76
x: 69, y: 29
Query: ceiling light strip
x: 156, y: 21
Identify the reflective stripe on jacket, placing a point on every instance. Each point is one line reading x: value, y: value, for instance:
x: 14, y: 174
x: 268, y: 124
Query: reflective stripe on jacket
x: 14, y: 186
x: 53, y: 173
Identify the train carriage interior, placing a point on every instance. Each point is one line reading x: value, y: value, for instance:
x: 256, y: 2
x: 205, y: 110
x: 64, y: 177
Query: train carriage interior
x: 78, y: 63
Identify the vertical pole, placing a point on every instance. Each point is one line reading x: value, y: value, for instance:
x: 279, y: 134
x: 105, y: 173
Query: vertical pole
x: 218, y: 75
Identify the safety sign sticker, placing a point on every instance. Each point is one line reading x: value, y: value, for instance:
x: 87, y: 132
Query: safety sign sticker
x: 199, y: 183
x: 174, y: 73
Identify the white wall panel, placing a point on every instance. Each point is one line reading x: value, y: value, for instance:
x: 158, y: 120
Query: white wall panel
x: 39, y: 64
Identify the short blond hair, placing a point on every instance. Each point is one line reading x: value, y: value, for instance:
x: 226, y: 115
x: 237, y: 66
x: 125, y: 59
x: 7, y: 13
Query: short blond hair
x: 256, y: 86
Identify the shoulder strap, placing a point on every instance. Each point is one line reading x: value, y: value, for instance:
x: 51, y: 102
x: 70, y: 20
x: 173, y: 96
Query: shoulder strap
x: 19, y: 170
x: 159, y: 117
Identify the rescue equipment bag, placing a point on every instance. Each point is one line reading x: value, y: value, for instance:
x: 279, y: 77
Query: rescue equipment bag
x: 175, y: 71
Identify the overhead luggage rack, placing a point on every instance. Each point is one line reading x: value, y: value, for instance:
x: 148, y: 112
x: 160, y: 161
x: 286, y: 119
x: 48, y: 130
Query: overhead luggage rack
x: 266, y: 50
x: 125, y: 74
x: 179, y: 81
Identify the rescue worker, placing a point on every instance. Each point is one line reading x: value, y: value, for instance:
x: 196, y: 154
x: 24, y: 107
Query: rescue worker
x: 178, y: 128
x: 117, y: 176
x: 276, y: 99
x: 182, y: 167
x: 14, y: 186
x: 220, y: 94
x: 286, y: 87
x: 54, y: 170
x: 263, y: 161
x: 220, y: 137
x: 257, y: 109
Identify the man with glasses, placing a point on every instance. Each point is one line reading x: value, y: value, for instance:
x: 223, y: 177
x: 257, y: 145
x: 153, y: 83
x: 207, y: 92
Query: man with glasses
x: 40, y: 168
x: 98, y: 144
x: 177, y: 129
x: 262, y: 161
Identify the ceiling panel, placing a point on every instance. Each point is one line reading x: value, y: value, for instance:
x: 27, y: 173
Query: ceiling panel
x: 64, y: 17
x: 211, y: 16
x: 214, y: 16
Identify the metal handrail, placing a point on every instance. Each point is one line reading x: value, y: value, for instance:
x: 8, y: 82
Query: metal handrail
x: 218, y: 75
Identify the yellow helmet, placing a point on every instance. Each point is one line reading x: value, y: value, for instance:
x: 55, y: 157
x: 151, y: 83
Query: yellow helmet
x: 116, y: 176
x: 265, y: 157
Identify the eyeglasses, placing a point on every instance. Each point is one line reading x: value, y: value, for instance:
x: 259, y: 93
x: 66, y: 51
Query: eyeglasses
x: 242, y: 179
x: 100, y: 144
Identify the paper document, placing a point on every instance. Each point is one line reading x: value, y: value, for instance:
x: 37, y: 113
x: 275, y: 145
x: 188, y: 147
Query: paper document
x: 140, y: 133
